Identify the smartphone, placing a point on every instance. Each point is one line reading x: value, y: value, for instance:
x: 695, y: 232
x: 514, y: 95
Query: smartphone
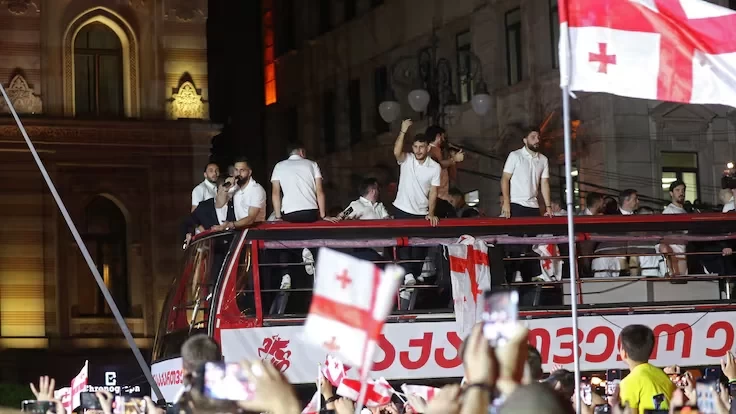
x: 586, y: 393
x: 500, y: 314
x: 657, y: 400
x: 89, y: 401
x: 613, y: 379
x: 125, y: 404
x: 712, y: 374
x: 37, y: 407
x: 602, y: 409
x: 705, y: 390
x: 226, y: 382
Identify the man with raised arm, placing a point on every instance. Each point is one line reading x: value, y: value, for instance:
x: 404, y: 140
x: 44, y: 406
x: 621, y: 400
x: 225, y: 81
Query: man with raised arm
x: 524, y: 172
x: 419, y: 178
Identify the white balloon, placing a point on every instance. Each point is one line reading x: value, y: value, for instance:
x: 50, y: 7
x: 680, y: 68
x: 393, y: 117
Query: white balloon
x: 418, y: 100
x: 481, y: 103
x: 389, y: 110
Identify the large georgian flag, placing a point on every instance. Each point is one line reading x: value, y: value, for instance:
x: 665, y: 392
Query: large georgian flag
x: 350, y: 303
x: 470, y: 275
x: 669, y: 50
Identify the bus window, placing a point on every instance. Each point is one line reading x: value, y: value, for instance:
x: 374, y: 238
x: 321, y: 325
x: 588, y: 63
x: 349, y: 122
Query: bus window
x: 244, y: 293
x: 187, y: 306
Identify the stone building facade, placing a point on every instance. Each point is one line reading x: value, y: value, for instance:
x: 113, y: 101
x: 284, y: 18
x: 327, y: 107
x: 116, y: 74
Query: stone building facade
x: 114, y: 96
x: 333, y: 60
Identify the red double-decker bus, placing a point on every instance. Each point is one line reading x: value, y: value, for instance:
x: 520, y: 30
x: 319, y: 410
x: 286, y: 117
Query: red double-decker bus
x: 220, y: 292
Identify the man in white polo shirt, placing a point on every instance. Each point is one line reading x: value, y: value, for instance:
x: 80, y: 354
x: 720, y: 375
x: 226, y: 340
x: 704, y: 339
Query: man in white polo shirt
x: 249, y: 198
x: 366, y: 207
x: 524, y: 172
x: 208, y: 188
x: 301, y: 182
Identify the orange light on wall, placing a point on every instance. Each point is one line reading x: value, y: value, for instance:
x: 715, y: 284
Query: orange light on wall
x: 269, y: 66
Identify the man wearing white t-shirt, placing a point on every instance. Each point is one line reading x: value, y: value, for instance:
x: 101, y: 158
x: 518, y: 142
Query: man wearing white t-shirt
x: 419, y: 178
x: 366, y: 207
x: 416, y: 198
x: 249, y: 198
x: 301, y: 182
x: 208, y: 188
x: 525, y: 171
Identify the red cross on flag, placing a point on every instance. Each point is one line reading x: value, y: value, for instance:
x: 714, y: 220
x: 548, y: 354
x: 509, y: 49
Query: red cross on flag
x: 423, y: 391
x: 378, y: 392
x: 551, y: 269
x: 313, y: 405
x: 79, y: 384
x: 334, y: 370
x: 668, y: 50
x: 350, y: 303
x: 65, y: 396
x: 470, y: 275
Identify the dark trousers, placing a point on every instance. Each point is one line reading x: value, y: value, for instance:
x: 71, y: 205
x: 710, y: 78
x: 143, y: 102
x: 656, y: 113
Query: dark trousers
x: 412, y: 253
x: 301, y: 216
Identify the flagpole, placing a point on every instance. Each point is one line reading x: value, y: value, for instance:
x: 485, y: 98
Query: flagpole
x: 90, y: 263
x: 572, y: 256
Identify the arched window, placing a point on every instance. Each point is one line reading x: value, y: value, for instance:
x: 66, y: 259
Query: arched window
x: 105, y: 234
x: 98, y: 72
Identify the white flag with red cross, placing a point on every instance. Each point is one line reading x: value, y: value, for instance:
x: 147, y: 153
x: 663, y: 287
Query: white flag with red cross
x: 350, y: 303
x: 378, y: 392
x: 64, y: 395
x: 425, y: 392
x: 550, y: 265
x: 79, y: 384
x: 313, y: 406
x: 470, y: 275
x: 334, y: 370
x: 667, y: 50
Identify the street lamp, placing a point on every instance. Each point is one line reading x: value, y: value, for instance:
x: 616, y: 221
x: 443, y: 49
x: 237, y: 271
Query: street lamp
x: 430, y: 81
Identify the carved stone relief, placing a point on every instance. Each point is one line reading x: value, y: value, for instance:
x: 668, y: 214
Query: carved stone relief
x: 186, y: 10
x: 22, y: 97
x: 20, y: 7
x: 187, y: 102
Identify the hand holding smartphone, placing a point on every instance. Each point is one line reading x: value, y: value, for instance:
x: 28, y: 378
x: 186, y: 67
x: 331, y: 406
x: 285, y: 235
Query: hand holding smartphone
x: 500, y: 314
x: 226, y: 382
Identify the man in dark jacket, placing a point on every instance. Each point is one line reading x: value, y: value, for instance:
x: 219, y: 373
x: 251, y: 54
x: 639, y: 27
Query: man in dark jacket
x: 211, y: 212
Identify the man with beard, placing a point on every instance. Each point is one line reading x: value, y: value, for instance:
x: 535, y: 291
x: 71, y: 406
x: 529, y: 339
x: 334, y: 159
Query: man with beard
x: 249, y: 198
x: 416, y: 198
x: 525, y: 170
x: 208, y: 188
x: 677, y: 263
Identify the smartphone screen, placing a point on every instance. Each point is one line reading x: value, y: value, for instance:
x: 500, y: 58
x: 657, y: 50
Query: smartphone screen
x: 89, y: 401
x: 37, y: 407
x: 500, y: 313
x: 613, y: 379
x: 704, y: 389
x: 226, y: 382
x: 129, y: 405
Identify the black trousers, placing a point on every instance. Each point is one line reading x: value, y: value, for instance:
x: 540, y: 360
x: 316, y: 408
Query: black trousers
x: 411, y: 253
x: 301, y: 216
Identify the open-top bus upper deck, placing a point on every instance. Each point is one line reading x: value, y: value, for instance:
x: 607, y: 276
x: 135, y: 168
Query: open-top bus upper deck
x: 222, y: 292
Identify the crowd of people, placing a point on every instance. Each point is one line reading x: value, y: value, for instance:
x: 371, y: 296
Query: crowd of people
x: 506, y: 379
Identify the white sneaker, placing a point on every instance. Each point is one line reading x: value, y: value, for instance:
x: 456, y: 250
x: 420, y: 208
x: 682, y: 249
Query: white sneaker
x: 308, y: 259
x: 285, y: 282
x: 408, y: 281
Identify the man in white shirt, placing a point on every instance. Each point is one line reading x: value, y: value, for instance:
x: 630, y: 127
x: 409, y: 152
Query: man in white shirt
x: 249, y: 199
x: 593, y: 204
x: 419, y: 178
x: 301, y: 182
x: 677, y: 264
x: 523, y: 174
x: 208, y: 188
x: 628, y: 201
x: 366, y: 207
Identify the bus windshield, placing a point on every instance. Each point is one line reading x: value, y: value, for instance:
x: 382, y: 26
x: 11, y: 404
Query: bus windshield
x: 187, y: 307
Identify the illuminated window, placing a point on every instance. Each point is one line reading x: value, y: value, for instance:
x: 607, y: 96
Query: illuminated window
x: 269, y: 66
x: 681, y: 166
x: 98, y: 72
x: 105, y: 234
